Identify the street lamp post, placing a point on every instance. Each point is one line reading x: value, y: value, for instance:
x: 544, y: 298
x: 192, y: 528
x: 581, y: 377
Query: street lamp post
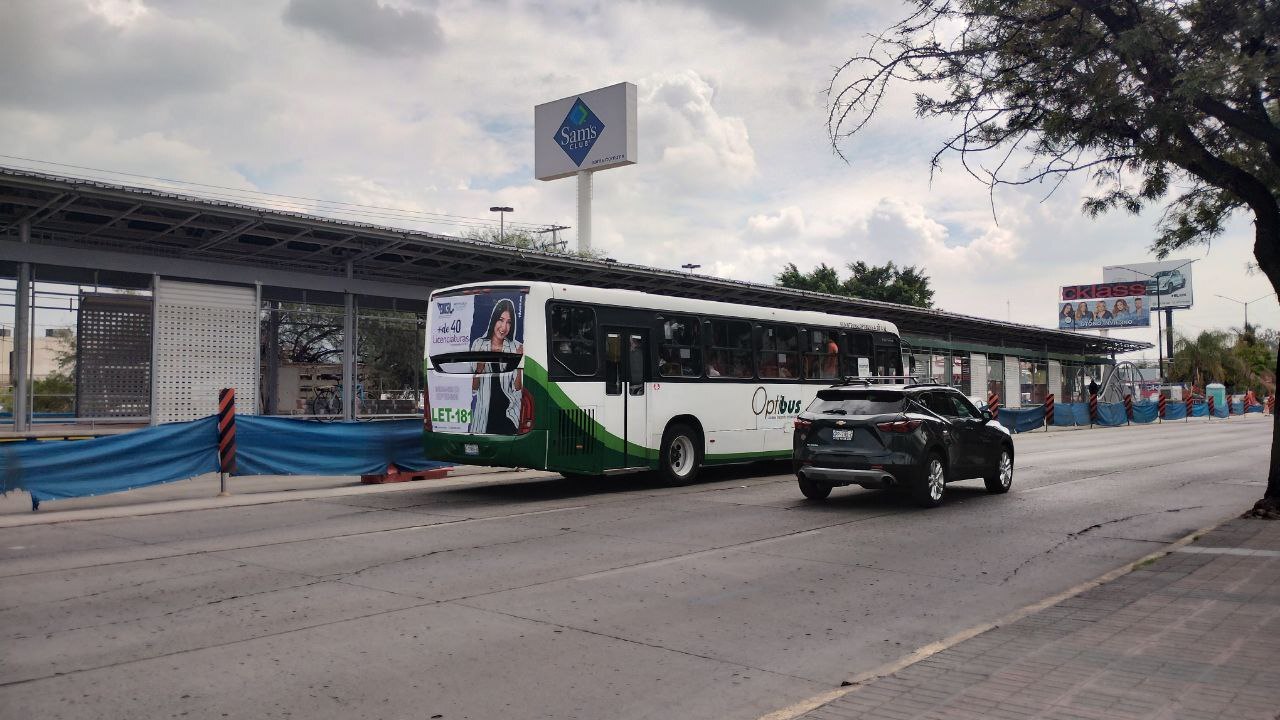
x: 1246, y: 304
x: 502, y: 211
x: 690, y: 267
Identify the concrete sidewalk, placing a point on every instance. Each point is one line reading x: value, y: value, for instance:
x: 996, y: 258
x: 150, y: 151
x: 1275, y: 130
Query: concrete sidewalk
x: 1193, y: 634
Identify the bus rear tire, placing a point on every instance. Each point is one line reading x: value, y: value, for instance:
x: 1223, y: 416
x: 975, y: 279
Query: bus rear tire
x: 680, y: 456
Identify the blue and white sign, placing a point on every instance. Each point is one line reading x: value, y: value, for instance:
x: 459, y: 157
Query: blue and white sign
x: 579, y: 131
x: 591, y: 131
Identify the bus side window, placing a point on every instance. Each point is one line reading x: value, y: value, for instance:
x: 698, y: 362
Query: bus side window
x: 573, y: 340
x: 729, y: 349
x: 857, y: 354
x: 680, y: 347
x: 779, y: 351
x: 821, y: 354
x: 613, y: 364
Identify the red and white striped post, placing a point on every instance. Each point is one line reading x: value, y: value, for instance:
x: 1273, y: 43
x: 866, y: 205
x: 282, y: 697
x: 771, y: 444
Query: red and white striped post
x: 1048, y: 411
x: 1271, y: 404
x: 1128, y: 409
x: 1093, y: 408
x: 1209, y: 399
x: 226, y: 437
x: 1190, y: 403
x: 1161, y: 406
x: 993, y: 404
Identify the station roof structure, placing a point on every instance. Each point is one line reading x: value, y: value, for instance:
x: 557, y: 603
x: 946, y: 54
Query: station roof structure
x: 87, y: 231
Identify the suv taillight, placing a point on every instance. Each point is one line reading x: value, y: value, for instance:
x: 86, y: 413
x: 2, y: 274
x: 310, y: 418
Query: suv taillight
x: 802, y: 424
x: 898, y: 426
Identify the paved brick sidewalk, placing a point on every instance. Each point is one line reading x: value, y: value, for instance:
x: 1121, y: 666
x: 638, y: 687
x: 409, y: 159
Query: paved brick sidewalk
x: 1194, y: 634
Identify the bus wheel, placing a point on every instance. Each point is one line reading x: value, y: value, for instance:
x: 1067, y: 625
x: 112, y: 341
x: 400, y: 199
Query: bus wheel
x: 681, y: 454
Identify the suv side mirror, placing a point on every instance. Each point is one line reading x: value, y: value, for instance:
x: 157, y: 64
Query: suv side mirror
x: 986, y: 414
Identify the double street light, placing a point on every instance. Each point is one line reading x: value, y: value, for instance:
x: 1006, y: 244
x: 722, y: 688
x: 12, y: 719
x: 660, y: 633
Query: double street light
x: 1246, y: 304
x: 690, y: 267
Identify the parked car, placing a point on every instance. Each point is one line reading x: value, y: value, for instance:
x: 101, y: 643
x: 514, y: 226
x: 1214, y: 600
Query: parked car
x: 916, y: 438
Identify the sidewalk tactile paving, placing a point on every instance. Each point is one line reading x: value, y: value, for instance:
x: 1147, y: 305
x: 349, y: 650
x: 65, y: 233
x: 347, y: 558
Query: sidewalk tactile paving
x: 1191, y: 636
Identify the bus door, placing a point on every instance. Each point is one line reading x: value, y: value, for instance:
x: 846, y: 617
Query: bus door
x: 625, y: 405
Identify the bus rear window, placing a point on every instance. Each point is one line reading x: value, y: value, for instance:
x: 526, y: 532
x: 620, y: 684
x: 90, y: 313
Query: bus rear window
x: 857, y: 403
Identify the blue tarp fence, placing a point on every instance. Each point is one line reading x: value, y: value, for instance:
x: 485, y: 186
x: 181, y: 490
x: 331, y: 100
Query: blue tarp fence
x: 176, y: 451
x: 1021, y: 420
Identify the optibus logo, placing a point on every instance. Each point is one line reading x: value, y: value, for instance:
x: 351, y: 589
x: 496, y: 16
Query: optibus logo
x: 762, y: 404
x: 579, y: 131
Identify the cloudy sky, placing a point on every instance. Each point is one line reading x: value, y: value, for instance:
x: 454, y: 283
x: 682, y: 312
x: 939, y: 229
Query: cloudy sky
x: 427, y: 105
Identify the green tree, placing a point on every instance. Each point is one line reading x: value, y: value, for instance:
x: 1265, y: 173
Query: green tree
x: 1206, y: 358
x: 888, y: 282
x: 1158, y: 101
x: 823, y: 279
x: 529, y: 240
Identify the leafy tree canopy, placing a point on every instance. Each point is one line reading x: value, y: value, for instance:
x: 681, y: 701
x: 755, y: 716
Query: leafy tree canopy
x: 888, y: 282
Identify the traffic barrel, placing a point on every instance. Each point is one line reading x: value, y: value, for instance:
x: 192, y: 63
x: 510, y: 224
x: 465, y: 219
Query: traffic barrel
x: 993, y: 404
x: 1048, y: 411
x: 1161, y: 406
x: 1128, y: 409
x: 1093, y: 408
x: 226, y: 435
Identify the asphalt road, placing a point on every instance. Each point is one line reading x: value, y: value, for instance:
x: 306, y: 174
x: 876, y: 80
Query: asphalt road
x: 547, y: 598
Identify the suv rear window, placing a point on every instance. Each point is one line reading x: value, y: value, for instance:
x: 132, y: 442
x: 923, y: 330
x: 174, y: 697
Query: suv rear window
x: 857, y: 403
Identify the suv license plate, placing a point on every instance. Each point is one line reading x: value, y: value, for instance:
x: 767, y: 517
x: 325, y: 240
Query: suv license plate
x: 471, y: 449
x: 841, y: 434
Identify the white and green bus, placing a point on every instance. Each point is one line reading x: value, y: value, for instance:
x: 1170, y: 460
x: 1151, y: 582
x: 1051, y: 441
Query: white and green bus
x: 586, y: 381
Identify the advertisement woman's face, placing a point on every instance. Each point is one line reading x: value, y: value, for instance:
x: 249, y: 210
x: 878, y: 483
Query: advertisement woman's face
x: 503, y: 327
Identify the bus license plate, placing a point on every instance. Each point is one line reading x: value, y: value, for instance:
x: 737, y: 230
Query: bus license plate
x: 471, y: 449
x: 841, y: 434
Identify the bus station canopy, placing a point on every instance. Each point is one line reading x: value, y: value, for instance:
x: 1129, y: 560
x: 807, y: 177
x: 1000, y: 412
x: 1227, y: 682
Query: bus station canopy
x: 91, y: 232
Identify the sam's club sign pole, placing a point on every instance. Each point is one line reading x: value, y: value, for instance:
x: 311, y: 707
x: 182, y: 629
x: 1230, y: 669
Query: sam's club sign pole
x: 580, y: 134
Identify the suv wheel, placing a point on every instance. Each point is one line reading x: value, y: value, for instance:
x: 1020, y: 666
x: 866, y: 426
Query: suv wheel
x: 1002, y: 478
x: 932, y: 487
x: 813, y: 490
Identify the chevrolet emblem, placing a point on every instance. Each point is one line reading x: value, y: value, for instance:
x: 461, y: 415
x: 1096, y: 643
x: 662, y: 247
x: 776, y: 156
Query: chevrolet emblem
x: 840, y: 422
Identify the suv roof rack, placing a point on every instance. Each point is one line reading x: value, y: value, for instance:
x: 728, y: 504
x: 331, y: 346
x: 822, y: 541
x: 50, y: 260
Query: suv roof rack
x: 895, y: 380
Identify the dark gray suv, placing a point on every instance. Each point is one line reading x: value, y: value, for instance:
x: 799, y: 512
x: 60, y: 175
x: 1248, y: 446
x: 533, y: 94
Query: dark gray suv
x: 915, y: 438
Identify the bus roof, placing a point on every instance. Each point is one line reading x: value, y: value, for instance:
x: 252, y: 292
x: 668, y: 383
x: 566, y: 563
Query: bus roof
x: 636, y: 299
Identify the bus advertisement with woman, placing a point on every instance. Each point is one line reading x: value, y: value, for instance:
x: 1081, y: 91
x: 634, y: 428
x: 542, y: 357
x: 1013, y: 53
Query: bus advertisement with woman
x: 485, y: 333
x: 586, y: 381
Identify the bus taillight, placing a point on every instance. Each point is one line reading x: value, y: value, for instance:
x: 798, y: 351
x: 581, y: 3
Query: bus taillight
x: 526, y: 413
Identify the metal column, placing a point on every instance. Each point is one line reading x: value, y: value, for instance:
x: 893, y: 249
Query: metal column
x: 348, y: 352
x: 584, y: 211
x: 20, y: 369
x: 1168, y: 336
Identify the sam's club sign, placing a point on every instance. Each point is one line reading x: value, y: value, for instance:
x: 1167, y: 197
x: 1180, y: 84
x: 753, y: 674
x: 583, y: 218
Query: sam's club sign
x: 591, y: 131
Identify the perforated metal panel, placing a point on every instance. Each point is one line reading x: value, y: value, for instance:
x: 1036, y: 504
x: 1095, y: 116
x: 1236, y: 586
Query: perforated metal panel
x: 113, y: 356
x: 1012, y: 382
x: 978, y: 376
x: 206, y: 338
x: 1055, y: 380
